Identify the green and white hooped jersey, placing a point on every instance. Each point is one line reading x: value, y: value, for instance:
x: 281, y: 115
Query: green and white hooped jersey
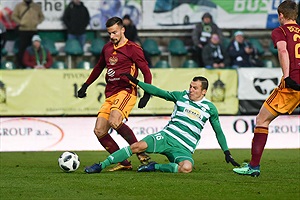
x: 188, y: 117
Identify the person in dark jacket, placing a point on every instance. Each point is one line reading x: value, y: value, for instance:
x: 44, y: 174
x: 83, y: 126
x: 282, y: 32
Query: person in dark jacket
x: 214, y: 55
x: 76, y: 18
x: 131, y: 33
x: 242, y: 53
x: 201, y: 35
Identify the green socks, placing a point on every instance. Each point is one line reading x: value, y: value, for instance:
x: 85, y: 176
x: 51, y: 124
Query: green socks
x: 170, y: 167
x: 117, y: 157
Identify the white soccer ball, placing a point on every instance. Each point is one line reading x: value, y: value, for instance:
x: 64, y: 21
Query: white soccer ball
x: 68, y: 161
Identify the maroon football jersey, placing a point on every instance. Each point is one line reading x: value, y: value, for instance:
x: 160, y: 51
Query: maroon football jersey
x: 291, y: 34
x: 127, y: 58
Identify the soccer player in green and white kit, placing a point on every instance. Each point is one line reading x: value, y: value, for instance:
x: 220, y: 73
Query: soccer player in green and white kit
x: 179, y: 139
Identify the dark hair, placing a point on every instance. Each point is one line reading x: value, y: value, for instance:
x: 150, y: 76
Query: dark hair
x: 126, y: 17
x: 114, y: 20
x: 289, y: 9
x: 207, y: 15
x: 203, y: 80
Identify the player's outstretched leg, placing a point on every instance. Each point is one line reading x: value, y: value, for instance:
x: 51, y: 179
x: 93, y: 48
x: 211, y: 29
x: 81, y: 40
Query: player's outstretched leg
x: 95, y: 168
x: 247, y: 169
x: 150, y: 167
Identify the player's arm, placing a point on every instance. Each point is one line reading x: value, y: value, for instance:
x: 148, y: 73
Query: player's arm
x: 283, y: 56
x: 216, y: 125
x: 93, y: 76
x: 153, y: 90
x: 141, y: 62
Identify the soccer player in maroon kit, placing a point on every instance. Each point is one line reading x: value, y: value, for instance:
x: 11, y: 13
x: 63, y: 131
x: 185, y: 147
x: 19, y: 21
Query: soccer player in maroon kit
x: 119, y: 56
x: 286, y: 97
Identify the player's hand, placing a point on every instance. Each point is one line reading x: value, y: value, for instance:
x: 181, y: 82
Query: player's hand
x: 230, y: 159
x: 290, y: 83
x: 131, y: 78
x: 82, y: 91
x: 144, y: 100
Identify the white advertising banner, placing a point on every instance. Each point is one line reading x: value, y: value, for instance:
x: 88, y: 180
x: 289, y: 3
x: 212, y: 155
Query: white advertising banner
x: 68, y: 133
x: 160, y: 14
x: 257, y: 83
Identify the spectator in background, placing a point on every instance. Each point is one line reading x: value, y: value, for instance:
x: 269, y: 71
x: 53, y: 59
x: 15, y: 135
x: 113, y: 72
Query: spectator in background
x: 27, y: 15
x: 76, y: 17
x: 201, y: 35
x: 2, y: 38
x: 36, y: 56
x: 214, y: 54
x: 242, y: 53
x: 131, y: 34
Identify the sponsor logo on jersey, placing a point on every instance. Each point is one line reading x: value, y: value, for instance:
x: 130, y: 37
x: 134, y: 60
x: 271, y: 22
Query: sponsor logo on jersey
x: 113, y: 60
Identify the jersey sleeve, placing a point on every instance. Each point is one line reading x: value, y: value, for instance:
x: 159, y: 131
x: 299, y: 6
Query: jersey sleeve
x: 97, y: 69
x: 277, y: 35
x: 141, y: 62
x: 216, y: 125
x: 151, y: 89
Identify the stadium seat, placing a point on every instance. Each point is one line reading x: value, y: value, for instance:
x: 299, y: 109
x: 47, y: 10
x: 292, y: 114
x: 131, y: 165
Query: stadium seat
x: 190, y: 64
x: 8, y: 65
x: 151, y: 47
x: 96, y: 46
x: 176, y: 47
x: 84, y: 65
x: 162, y: 64
x: 56, y: 35
x: 59, y: 65
x: 50, y: 45
x: 16, y: 46
x: 272, y: 49
x: 3, y: 52
x: 225, y: 42
x: 73, y: 48
x: 256, y: 43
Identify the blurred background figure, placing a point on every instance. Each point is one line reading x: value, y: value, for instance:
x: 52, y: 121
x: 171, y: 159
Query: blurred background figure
x: 37, y: 56
x: 27, y: 15
x: 214, y: 54
x: 76, y: 17
x: 131, y: 32
x: 242, y: 53
x: 2, y: 38
x: 201, y: 35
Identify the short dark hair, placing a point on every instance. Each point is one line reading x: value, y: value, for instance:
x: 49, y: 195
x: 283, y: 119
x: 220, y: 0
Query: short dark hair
x: 114, y: 20
x: 289, y: 9
x: 203, y: 80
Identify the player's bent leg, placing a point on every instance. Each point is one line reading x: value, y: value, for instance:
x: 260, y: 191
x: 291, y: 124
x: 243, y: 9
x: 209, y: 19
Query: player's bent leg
x: 116, y: 157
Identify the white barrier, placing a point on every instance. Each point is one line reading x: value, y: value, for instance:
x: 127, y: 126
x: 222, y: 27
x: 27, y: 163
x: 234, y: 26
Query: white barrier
x: 68, y: 133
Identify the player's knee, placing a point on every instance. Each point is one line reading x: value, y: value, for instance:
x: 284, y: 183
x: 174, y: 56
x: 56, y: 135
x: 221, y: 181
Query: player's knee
x: 114, y: 123
x: 185, y: 167
x: 99, y: 133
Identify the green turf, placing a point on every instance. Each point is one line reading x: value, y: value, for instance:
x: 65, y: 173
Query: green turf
x: 36, y: 175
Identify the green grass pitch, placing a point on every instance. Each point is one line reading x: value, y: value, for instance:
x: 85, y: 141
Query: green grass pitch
x: 36, y: 175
